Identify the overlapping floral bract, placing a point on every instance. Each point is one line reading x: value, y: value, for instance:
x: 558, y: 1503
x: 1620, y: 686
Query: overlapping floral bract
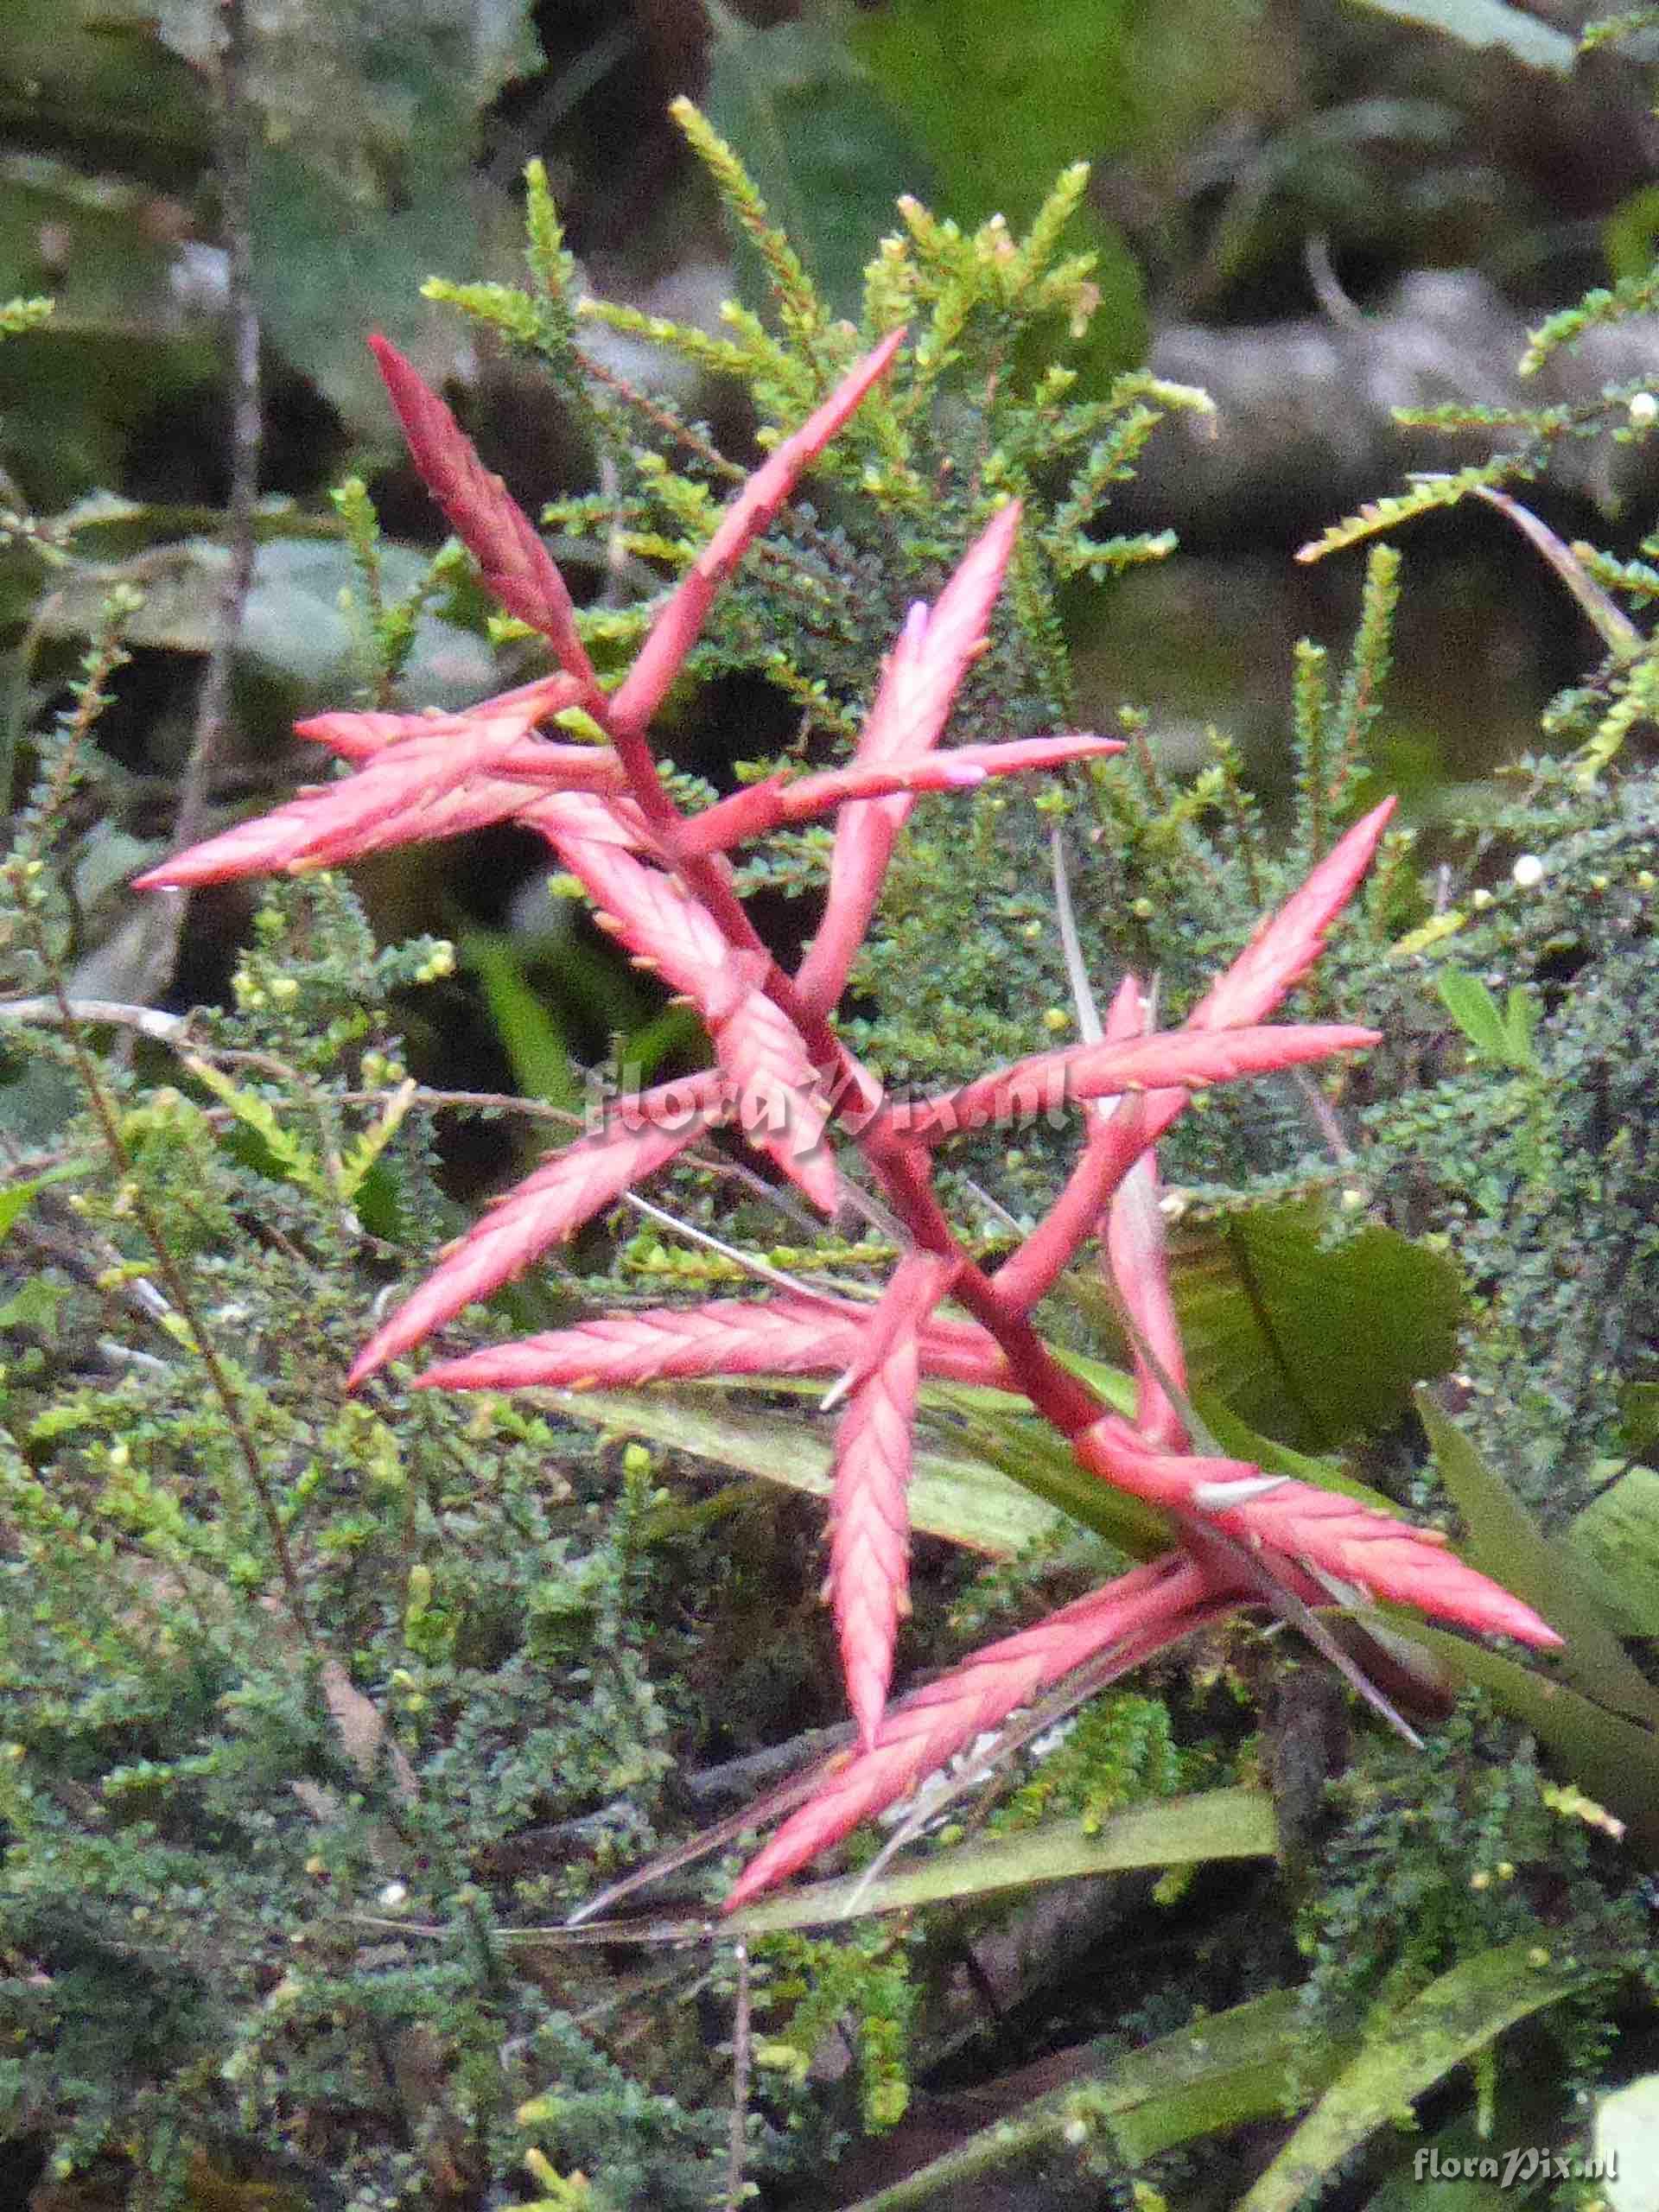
x: 660, y: 882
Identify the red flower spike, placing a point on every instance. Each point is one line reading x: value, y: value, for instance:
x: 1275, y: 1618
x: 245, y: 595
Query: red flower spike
x: 1192, y: 1060
x: 1287, y: 944
x: 1134, y: 1253
x: 652, y: 913
x: 422, y: 787
x: 780, y: 1107
x: 547, y: 1207
x: 906, y: 719
x: 1278, y: 955
x: 1386, y: 1557
x: 673, y: 1343
x: 358, y: 736
x: 660, y: 885
x: 675, y: 631
x: 777, y: 802
x: 1142, y: 1611
x: 869, y: 1519
x: 516, y: 567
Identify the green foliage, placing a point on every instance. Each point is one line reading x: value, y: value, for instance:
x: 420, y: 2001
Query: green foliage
x: 858, y: 1984
x: 317, y: 1712
x: 279, y: 1675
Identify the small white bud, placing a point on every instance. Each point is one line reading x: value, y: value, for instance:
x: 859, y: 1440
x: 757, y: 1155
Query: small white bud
x: 394, y: 1897
x: 1527, y: 872
x: 1644, y: 409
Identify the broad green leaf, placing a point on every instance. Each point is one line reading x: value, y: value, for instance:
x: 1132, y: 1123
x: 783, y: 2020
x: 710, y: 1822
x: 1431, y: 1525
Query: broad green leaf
x: 1507, y: 1543
x: 72, y: 72
x: 828, y: 154
x: 1412, y: 2050
x: 534, y: 1045
x: 364, y: 180
x: 1241, y: 2065
x: 1031, y: 1454
x: 1612, y: 1759
x: 1307, y: 1345
x: 316, y: 245
x: 1630, y: 237
x: 1618, y: 1535
x: 1638, y: 1415
x: 1487, y: 23
x: 955, y: 1496
x: 1236, y: 1823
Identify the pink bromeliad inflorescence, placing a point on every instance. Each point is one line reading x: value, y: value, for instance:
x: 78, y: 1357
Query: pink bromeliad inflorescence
x: 661, y: 883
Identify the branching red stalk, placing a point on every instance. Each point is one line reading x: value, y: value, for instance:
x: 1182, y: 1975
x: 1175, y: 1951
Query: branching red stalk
x: 660, y: 881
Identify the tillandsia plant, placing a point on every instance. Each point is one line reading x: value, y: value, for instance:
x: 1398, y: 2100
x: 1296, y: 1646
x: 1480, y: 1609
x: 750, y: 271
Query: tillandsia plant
x: 661, y: 882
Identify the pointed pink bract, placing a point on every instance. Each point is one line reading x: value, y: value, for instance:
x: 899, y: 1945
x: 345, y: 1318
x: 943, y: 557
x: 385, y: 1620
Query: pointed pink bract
x: 358, y: 735
x: 1142, y: 1611
x: 675, y: 631
x: 665, y: 1344
x: 1047, y: 1082
x: 1386, y: 1557
x: 869, y: 1519
x: 1286, y: 944
x: 1134, y: 1246
x: 913, y: 702
x: 515, y: 564
x: 548, y: 1206
x: 779, y: 1103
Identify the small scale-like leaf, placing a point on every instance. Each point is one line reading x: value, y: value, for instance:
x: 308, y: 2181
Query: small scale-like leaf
x: 1475, y: 1012
x: 289, y: 1155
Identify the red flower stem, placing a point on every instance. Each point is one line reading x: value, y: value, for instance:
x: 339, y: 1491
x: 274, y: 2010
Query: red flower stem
x: 1056, y: 1392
